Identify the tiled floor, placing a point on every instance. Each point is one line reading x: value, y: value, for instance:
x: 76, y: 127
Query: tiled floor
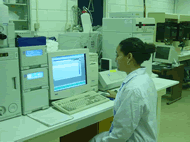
x: 175, y: 119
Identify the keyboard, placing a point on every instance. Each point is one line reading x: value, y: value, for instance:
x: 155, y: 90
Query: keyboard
x: 80, y: 102
x: 156, y: 67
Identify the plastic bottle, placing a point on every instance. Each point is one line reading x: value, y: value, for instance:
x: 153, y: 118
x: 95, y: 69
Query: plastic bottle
x: 86, y: 23
x: 4, y: 13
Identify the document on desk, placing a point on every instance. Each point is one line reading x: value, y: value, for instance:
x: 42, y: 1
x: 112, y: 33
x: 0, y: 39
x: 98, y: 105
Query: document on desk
x: 50, y: 117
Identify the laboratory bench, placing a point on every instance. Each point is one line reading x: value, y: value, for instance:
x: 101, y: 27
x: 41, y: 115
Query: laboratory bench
x: 88, y: 123
x: 93, y: 120
x: 174, y: 73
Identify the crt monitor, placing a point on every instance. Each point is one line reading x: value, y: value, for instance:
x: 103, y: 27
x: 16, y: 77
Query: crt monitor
x: 165, y: 54
x: 69, y: 73
x: 106, y: 64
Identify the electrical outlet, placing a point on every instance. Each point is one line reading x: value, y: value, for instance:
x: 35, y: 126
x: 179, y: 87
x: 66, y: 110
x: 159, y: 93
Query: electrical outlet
x: 36, y: 25
x: 2, y: 111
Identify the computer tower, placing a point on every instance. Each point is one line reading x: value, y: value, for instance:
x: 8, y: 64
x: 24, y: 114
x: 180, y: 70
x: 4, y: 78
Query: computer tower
x: 94, y: 71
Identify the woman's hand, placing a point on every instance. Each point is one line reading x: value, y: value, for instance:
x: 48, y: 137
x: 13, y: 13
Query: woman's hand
x: 112, y: 94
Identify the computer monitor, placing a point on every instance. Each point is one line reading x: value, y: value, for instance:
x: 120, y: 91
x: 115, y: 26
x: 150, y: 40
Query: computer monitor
x: 165, y: 54
x: 106, y: 64
x: 69, y: 73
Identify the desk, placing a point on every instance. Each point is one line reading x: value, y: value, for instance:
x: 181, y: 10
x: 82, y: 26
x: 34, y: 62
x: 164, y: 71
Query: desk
x: 177, y: 74
x: 23, y: 128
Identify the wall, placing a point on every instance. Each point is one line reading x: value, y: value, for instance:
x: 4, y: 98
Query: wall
x: 116, y: 6
x: 151, y: 6
x: 52, y: 15
x: 167, y: 6
x: 182, y: 6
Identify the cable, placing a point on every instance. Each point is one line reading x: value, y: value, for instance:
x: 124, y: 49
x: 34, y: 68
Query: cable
x: 90, y: 36
x: 92, y: 5
x: 79, y: 16
x: 77, y: 12
x: 73, y: 16
x: 91, y: 17
x: 66, y: 16
x: 99, y: 41
x: 89, y: 12
x: 71, y: 20
x: 100, y: 50
x: 75, y: 9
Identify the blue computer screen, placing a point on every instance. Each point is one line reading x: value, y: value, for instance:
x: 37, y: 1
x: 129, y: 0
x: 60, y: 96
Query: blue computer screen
x: 32, y: 53
x: 69, y: 71
x: 35, y: 75
x: 162, y: 53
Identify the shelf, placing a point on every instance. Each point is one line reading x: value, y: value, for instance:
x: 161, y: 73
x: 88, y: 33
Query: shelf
x: 22, y: 10
x: 184, y: 18
x: 14, y: 3
x: 171, y: 16
x: 18, y: 31
x: 160, y: 17
x: 19, y: 20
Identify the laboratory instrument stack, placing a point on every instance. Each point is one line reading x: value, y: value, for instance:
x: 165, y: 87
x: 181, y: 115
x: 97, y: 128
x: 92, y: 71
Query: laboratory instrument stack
x: 10, y: 99
x: 131, y: 14
x: 142, y: 28
x: 94, y: 71
x: 7, y: 35
x: 34, y: 78
x: 73, y: 40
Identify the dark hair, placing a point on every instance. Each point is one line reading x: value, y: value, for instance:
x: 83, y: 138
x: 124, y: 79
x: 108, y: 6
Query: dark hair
x: 141, y: 51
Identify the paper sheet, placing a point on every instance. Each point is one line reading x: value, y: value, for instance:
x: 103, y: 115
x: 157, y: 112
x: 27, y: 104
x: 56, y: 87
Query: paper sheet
x: 50, y: 117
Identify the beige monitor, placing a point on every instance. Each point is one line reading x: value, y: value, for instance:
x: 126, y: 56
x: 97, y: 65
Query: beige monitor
x: 69, y: 73
x: 165, y: 54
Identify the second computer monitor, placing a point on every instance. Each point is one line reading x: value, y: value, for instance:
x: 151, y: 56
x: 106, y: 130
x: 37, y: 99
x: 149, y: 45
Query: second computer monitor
x: 106, y: 64
x: 69, y: 73
x: 165, y: 54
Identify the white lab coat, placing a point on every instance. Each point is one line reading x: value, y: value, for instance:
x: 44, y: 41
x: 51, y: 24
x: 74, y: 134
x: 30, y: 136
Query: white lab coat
x: 135, y: 108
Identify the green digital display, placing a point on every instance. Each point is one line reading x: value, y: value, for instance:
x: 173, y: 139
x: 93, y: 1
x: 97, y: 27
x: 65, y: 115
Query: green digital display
x: 3, y: 54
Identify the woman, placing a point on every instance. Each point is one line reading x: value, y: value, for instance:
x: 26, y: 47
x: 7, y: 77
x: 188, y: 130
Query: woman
x: 135, y: 104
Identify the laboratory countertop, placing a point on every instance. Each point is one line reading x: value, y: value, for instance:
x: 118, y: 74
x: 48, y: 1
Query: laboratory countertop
x: 23, y: 128
x: 160, y: 84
